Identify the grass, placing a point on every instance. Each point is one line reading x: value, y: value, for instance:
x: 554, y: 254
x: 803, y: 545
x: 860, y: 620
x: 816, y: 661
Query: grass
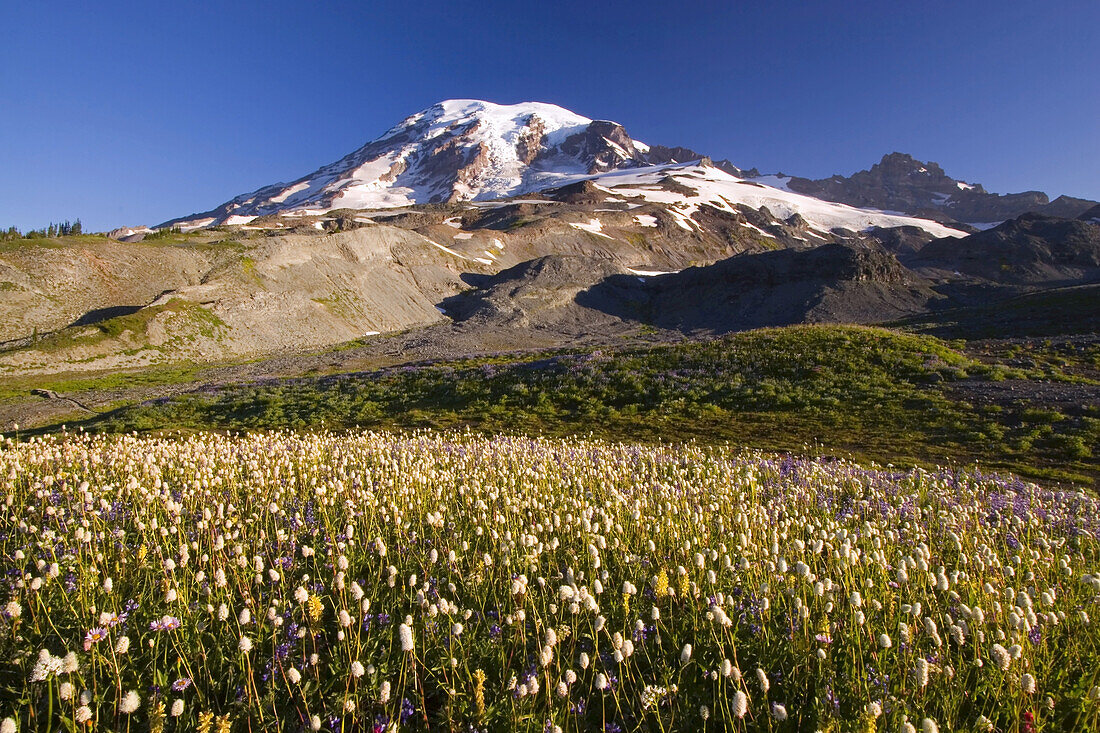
x: 1047, y: 313
x: 197, y: 321
x: 871, y: 393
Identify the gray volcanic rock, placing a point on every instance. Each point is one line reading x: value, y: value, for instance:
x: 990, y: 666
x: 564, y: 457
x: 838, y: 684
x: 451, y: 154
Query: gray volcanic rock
x: 539, y: 293
x: 899, y: 182
x: 833, y: 283
x: 1029, y: 250
x: 900, y: 241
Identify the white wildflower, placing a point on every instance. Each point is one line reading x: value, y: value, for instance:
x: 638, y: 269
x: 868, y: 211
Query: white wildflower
x: 130, y: 703
x: 406, y: 635
x: 740, y: 704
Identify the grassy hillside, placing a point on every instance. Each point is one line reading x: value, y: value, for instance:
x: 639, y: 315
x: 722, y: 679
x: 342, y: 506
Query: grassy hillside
x: 871, y: 393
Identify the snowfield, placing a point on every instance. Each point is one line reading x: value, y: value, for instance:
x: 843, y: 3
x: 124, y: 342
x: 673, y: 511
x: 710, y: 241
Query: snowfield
x: 721, y: 190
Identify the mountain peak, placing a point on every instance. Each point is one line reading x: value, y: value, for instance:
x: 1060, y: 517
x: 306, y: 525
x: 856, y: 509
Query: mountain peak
x: 457, y: 149
x: 904, y: 165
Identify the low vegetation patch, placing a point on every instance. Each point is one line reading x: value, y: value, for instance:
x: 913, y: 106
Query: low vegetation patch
x: 873, y: 393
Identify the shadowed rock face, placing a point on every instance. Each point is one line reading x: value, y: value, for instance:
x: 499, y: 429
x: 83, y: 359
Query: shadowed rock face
x: 1091, y: 215
x: 901, y: 183
x: 1029, y: 250
x: 830, y: 283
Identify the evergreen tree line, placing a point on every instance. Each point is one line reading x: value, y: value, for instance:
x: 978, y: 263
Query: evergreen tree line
x: 63, y: 229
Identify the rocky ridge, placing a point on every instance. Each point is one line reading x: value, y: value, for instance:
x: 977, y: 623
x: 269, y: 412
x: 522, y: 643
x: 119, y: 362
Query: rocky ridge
x: 899, y: 182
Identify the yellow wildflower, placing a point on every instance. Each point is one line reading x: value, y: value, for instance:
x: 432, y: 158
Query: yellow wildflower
x: 314, y: 607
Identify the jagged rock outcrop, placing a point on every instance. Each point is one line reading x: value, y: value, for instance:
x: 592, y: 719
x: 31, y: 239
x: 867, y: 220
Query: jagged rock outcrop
x: 899, y: 182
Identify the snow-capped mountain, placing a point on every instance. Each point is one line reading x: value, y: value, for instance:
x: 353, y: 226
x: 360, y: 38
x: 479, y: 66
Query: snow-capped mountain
x: 469, y: 150
x: 460, y: 149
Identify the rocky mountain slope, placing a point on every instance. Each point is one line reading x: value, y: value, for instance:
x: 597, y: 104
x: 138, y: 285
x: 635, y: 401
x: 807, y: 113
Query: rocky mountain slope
x: 901, y: 183
x: 1031, y: 250
x: 665, y: 250
x: 471, y: 227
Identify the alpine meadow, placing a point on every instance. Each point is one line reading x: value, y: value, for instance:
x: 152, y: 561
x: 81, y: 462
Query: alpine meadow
x: 344, y: 390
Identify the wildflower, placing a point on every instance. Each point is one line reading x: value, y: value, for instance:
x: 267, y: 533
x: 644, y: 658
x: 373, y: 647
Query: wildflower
x: 357, y: 670
x: 601, y: 681
x: 244, y: 645
x: 479, y: 692
x: 384, y: 692
x: 740, y: 704
x: 206, y: 722
x: 65, y: 691
x: 13, y: 610
x: 685, y: 654
x: 884, y: 641
x: 47, y: 666
x: 1027, y: 683
x: 406, y: 635
x: 920, y: 672
x: 779, y: 712
x: 177, y: 708
x: 294, y: 676
x: 156, y: 718
x: 94, y: 636
x: 314, y: 608
x: 181, y: 684
x: 929, y: 726
x: 130, y: 703
x: 652, y: 696
x: 7, y: 726
x: 762, y: 679
x: 984, y: 723
x: 122, y: 645
x: 1001, y: 658
x: 83, y: 714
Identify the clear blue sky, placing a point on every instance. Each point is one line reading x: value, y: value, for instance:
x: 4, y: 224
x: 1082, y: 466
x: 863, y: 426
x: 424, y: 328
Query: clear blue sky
x: 136, y: 112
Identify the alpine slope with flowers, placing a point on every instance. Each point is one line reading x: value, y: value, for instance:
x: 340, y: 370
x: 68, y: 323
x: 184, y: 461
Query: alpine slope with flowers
x: 445, y: 581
